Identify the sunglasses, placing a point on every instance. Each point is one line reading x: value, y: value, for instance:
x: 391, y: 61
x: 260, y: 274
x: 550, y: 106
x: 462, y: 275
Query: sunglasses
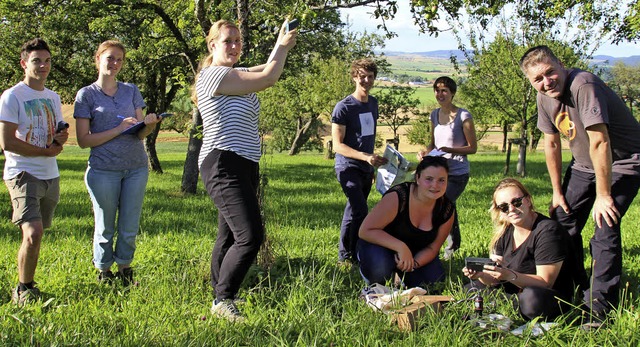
x: 517, y: 202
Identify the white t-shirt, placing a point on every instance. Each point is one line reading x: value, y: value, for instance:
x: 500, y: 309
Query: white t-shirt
x: 37, y: 114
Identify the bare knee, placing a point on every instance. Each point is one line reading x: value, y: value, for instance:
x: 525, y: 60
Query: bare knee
x: 32, y: 233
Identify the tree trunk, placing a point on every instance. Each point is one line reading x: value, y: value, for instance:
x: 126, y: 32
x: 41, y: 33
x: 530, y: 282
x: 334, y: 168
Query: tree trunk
x: 152, y: 153
x: 191, y: 171
x: 505, y: 133
x: 302, y: 136
x: 243, y: 24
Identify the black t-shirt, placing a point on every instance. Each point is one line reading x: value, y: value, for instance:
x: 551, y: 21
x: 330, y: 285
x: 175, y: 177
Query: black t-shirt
x: 402, y: 228
x: 548, y: 243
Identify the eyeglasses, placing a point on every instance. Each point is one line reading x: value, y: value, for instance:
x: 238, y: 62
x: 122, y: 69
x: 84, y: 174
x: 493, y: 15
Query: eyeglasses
x: 517, y: 202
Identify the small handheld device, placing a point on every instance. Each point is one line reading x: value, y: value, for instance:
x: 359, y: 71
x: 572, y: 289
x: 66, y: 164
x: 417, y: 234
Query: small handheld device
x: 292, y: 24
x: 165, y: 115
x: 61, y: 126
x: 477, y: 264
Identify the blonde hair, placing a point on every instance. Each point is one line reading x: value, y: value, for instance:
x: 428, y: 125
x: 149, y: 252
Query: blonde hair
x: 214, y: 34
x: 106, y: 45
x: 499, y: 223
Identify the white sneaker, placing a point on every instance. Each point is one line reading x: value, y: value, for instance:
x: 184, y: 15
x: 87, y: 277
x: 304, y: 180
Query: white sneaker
x: 227, y: 309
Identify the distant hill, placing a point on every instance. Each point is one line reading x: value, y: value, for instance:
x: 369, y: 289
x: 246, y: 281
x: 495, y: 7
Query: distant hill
x: 609, y: 60
x: 446, y: 54
x: 441, y: 54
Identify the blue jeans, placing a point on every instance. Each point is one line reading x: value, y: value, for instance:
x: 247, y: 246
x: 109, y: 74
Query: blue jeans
x: 377, y: 265
x: 114, y: 192
x: 356, y: 185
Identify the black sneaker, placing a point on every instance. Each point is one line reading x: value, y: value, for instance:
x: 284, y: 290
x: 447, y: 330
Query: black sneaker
x: 126, y: 276
x: 106, y: 277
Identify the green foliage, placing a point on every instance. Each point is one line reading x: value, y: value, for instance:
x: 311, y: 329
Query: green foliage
x: 292, y: 110
x: 586, y: 16
x: 396, y: 105
x: 629, y: 29
x: 304, y: 299
x: 419, y: 132
x: 626, y: 82
x: 495, y: 90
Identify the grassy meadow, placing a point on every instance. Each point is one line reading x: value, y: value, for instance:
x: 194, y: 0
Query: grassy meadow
x: 302, y: 299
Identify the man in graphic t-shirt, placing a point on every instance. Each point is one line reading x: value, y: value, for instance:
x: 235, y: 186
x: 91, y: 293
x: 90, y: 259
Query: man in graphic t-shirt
x: 29, y: 115
x: 604, y: 174
x: 353, y: 132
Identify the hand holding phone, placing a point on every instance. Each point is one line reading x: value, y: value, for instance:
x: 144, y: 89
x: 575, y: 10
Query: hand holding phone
x: 61, y: 126
x: 292, y: 24
x: 477, y: 264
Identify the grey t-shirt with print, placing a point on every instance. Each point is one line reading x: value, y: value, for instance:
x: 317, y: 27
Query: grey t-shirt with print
x: 105, y: 112
x: 588, y: 101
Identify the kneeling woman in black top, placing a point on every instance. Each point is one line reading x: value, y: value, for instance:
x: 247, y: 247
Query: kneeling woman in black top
x: 403, y: 233
x: 532, y: 252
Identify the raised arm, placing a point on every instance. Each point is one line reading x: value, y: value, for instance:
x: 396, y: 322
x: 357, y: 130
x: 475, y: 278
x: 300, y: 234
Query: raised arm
x: 263, y: 76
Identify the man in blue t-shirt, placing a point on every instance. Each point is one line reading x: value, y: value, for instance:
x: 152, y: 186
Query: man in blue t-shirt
x: 353, y: 131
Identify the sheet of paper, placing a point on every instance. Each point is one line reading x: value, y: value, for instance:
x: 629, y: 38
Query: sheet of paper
x: 436, y: 153
x: 396, y: 170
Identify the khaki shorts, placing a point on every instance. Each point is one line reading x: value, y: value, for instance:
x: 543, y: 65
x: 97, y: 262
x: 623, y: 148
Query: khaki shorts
x: 33, y: 198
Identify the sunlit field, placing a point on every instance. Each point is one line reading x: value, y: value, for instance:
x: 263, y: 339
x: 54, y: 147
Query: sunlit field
x: 297, y: 296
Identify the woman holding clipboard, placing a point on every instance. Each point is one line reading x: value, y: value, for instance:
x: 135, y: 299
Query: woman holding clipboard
x: 117, y: 171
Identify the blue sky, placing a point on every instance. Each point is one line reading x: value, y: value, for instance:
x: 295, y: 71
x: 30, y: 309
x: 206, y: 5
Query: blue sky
x: 410, y: 40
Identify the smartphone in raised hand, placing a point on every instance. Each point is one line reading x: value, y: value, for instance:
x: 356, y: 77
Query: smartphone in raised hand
x: 292, y: 24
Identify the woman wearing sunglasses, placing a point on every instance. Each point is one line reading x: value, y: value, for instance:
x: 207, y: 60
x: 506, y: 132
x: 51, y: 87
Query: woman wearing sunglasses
x: 531, y: 251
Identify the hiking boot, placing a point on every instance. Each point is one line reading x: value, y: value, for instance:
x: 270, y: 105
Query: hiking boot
x: 21, y: 297
x: 227, y: 309
x: 126, y: 276
x: 106, y: 277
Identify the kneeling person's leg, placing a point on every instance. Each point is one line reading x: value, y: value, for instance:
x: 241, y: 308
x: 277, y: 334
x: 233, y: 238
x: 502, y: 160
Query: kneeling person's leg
x: 377, y: 264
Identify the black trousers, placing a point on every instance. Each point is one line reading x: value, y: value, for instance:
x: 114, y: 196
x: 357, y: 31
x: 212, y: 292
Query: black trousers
x: 579, y: 188
x: 531, y: 302
x: 232, y: 183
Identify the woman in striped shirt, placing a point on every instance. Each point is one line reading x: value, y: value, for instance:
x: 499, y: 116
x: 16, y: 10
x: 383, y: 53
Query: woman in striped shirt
x: 230, y: 154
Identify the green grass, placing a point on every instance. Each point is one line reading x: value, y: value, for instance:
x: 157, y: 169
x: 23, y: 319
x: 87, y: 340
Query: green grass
x: 424, y: 94
x: 303, y: 299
